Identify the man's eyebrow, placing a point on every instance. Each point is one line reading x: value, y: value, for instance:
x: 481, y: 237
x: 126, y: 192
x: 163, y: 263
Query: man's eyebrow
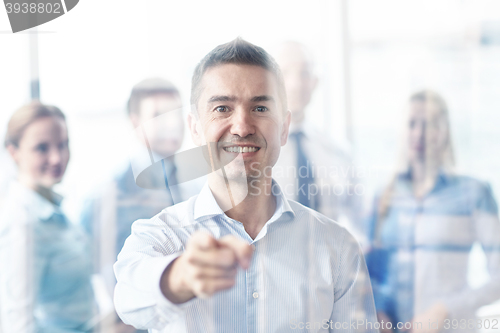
x: 263, y: 98
x: 221, y: 98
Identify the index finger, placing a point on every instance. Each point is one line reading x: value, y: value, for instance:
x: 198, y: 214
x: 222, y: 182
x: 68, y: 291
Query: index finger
x: 242, y: 249
x: 202, y: 240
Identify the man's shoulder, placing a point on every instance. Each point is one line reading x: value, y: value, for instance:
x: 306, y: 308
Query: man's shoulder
x: 327, y: 233
x: 306, y: 214
x: 179, y: 215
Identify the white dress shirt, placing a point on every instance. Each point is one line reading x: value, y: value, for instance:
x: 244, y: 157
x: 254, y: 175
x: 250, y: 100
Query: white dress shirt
x: 306, y: 272
x: 45, y: 265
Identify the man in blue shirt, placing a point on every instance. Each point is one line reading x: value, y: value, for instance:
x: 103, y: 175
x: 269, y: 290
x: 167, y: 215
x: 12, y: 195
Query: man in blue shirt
x: 313, y: 168
x: 155, y: 107
x: 240, y: 257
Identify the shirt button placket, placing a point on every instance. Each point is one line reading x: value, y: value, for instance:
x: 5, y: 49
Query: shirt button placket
x: 252, y: 295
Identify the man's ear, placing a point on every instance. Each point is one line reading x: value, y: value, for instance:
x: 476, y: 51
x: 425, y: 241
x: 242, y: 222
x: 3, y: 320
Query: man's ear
x: 136, y: 122
x: 286, y: 127
x: 13, y: 152
x: 315, y: 81
x: 195, y: 129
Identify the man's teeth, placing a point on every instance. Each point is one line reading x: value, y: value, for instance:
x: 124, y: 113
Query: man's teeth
x: 241, y: 149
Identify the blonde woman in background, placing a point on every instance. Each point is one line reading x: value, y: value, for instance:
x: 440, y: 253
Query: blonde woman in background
x: 45, y: 265
x: 423, y: 227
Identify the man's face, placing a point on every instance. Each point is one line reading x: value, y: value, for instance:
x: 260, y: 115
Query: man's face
x: 239, y: 108
x: 161, y: 116
x: 300, y: 81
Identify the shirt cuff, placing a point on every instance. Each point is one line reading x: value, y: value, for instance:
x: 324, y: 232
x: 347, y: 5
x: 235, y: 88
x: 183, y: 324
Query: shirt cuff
x: 168, y: 311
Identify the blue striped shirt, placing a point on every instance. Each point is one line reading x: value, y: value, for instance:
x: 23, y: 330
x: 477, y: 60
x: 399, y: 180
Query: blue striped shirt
x: 421, y: 248
x: 306, y: 272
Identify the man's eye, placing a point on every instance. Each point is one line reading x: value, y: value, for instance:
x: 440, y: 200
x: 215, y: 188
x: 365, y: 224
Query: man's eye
x: 261, y: 109
x: 62, y: 145
x: 42, y: 148
x: 221, y: 109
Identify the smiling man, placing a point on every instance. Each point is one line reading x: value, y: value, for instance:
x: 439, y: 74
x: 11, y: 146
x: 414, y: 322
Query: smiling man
x: 240, y: 257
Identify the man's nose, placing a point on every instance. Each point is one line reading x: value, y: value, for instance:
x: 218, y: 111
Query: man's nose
x: 242, y: 123
x: 55, y: 156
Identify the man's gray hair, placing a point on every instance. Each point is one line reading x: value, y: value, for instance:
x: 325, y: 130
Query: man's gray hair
x: 239, y: 52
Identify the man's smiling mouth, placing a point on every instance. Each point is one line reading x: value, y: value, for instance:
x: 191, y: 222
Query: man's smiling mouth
x: 241, y: 149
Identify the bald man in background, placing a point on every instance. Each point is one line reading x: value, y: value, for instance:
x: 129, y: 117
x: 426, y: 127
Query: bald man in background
x: 312, y: 169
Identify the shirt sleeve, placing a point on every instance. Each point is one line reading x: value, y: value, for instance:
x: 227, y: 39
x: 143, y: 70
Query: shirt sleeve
x: 376, y: 261
x: 487, y: 231
x: 353, y: 309
x: 146, y: 254
x: 19, y: 278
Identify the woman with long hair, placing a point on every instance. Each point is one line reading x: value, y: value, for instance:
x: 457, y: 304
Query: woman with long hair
x: 45, y: 262
x: 423, y: 227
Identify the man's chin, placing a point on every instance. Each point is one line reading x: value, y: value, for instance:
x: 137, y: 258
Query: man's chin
x: 231, y: 175
x: 166, y: 152
x: 49, y: 183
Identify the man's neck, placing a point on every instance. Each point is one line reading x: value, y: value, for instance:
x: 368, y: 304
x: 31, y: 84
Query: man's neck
x: 257, y: 207
x: 297, y: 125
x: 298, y: 117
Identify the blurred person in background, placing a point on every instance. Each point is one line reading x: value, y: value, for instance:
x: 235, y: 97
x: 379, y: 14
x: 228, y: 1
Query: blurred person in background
x: 423, y: 227
x: 154, y: 109
x: 45, y: 266
x: 322, y: 177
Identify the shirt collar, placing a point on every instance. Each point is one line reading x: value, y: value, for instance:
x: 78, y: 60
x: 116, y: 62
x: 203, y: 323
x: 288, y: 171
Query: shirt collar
x: 206, y: 205
x: 282, y: 204
x: 43, y: 208
x: 442, y: 179
x: 126, y: 180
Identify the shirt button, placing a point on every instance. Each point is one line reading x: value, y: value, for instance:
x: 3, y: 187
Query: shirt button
x: 255, y: 295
